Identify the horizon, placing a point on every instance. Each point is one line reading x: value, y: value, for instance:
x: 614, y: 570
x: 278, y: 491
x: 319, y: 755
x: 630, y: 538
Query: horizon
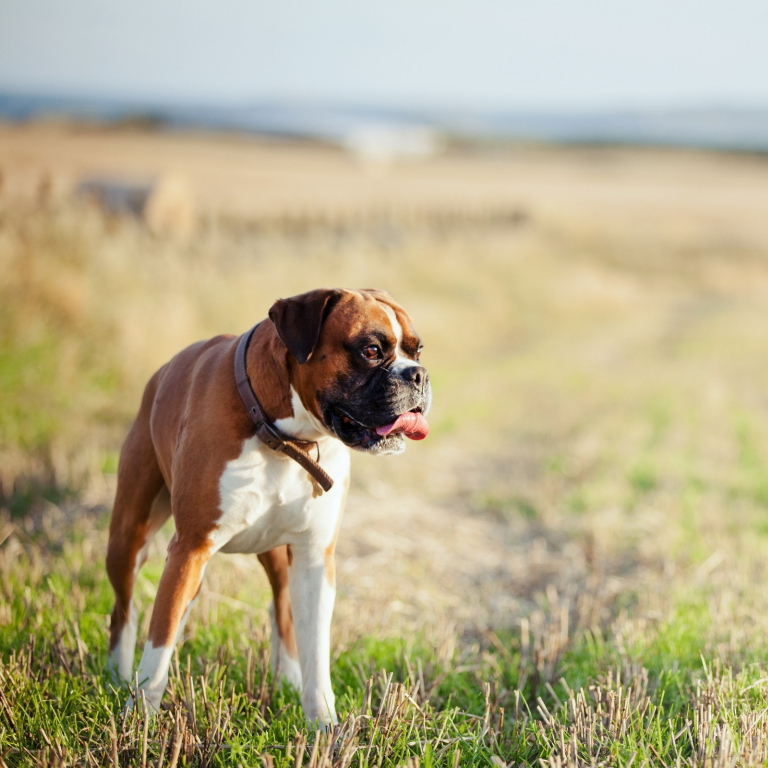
x: 128, y: 99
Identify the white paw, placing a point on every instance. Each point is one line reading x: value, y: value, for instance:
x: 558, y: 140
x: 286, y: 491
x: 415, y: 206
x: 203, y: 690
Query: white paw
x: 320, y: 710
x: 289, y: 669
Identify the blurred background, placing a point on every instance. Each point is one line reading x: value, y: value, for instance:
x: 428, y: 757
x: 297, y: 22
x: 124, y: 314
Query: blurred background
x: 571, y: 199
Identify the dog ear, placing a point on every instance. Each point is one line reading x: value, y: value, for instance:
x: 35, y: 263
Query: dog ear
x: 298, y: 320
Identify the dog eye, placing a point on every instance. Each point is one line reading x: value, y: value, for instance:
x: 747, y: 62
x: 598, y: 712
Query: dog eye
x: 371, y: 352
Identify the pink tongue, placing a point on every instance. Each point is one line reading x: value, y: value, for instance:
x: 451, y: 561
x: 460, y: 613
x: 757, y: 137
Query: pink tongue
x: 413, y: 424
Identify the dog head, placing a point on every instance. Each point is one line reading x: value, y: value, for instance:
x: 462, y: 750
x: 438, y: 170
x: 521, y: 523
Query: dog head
x: 354, y: 362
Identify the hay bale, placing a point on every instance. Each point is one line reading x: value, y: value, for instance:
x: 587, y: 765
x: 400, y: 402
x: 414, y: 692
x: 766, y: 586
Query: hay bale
x: 171, y: 208
x: 167, y: 206
x: 115, y: 196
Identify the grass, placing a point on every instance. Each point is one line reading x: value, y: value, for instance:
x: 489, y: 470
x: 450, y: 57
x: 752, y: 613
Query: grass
x: 570, y: 571
x: 678, y: 687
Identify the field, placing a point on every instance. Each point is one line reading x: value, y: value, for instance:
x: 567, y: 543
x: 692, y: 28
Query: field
x: 570, y: 570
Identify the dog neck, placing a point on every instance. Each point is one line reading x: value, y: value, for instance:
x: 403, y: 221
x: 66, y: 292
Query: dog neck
x: 267, y: 368
x: 269, y: 373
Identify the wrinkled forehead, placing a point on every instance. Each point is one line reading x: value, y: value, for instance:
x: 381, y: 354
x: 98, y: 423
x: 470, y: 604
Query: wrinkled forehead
x: 361, y: 312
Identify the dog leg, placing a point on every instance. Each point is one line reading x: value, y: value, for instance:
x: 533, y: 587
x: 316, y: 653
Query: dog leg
x: 313, y: 595
x: 134, y: 522
x: 285, y: 655
x: 179, y: 586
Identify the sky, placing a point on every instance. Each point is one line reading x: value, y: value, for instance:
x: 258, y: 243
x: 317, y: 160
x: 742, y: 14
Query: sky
x: 488, y: 54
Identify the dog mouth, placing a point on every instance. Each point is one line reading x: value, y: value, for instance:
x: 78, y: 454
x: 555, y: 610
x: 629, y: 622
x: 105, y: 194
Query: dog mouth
x: 389, y: 436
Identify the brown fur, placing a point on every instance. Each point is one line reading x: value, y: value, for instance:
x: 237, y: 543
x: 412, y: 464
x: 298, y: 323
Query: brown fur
x: 190, y: 402
x: 353, y: 311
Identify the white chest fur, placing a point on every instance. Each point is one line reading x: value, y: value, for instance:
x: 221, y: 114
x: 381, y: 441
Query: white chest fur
x: 266, y: 498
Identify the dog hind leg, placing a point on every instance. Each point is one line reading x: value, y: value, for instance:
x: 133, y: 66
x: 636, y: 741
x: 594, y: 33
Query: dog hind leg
x: 285, y: 655
x: 139, y: 511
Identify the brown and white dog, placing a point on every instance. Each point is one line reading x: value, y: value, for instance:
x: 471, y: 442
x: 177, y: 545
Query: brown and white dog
x: 336, y: 367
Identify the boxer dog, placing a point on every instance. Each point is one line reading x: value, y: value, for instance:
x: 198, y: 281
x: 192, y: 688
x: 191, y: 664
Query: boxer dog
x: 249, y: 437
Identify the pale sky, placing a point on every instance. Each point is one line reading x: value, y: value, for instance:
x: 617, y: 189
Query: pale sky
x: 507, y: 54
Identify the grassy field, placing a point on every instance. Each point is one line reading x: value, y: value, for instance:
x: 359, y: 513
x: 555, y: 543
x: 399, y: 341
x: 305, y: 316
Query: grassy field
x: 571, y: 570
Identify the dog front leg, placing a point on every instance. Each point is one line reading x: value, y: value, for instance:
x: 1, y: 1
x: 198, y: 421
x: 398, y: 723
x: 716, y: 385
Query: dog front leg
x: 178, y: 589
x: 312, y: 596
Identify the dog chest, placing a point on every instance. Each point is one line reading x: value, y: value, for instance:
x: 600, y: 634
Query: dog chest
x: 266, y: 499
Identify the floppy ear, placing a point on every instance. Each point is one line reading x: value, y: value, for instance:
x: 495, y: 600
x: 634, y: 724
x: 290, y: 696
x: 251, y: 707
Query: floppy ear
x: 298, y: 320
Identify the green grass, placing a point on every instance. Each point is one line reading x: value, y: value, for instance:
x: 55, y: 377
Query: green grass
x: 670, y: 689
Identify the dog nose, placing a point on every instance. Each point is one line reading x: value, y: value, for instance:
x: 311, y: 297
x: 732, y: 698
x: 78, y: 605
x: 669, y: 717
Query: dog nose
x: 415, y: 375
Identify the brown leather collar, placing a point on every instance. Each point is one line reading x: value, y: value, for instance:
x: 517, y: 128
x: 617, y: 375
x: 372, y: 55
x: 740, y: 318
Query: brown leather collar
x: 268, y: 433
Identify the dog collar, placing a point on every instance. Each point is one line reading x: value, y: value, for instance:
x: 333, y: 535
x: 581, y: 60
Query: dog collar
x: 267, y: 432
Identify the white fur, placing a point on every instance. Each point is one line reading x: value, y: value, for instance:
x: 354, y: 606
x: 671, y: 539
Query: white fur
x: 402, y: 362
x: 267, y: 499
x: 397, y: 329
x: 313, y: 597
x: 303, y: 425
x: 121, y: 657
x: 153, y: 673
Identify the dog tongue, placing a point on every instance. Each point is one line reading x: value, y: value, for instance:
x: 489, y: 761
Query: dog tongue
x: 414, y: 425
